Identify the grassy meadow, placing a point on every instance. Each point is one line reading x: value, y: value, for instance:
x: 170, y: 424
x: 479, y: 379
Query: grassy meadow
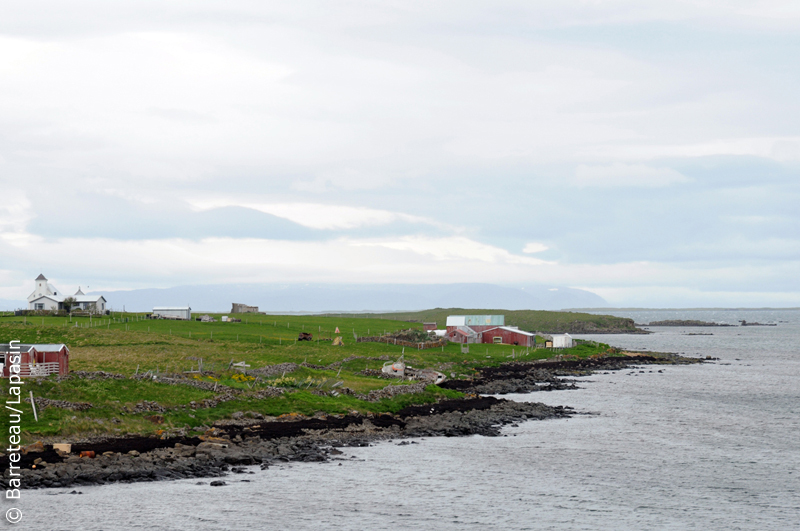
x: 129, y: 343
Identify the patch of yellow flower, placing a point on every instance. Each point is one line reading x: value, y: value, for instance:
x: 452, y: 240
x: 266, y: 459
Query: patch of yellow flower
x: 284, y: 381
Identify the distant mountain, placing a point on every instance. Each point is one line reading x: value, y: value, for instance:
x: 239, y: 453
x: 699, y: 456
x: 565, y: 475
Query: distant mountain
x: 353, y: 297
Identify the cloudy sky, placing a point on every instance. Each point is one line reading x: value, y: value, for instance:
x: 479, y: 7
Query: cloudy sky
x: 648, y: 151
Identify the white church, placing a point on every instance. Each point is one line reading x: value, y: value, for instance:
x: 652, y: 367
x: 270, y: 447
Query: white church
x: 48, y: 297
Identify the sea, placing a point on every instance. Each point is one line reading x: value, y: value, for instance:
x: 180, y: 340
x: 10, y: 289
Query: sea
x: 712, y: 446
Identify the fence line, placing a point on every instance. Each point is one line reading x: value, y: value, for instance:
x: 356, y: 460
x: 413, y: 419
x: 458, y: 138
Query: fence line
x: 419, y: 345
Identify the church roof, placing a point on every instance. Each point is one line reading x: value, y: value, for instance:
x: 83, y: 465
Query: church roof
x: 56, y: 298
x: 89, y: 298
x: 79, y: 292
x: 41, y: 277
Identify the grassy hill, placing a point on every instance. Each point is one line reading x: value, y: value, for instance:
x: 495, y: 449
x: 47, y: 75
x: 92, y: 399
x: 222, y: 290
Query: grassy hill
x: 128, y: 344
x: 547, y: 322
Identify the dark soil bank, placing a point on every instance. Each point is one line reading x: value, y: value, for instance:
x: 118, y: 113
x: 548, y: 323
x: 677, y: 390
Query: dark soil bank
x: 225, y: 449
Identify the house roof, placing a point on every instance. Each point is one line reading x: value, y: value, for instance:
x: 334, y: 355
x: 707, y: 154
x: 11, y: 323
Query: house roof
x: 475, y: 320
x: 166, y: 308
x: 5, y: 348
x: 510, y: 329
x: 88, y: 298
x: 49, y: 347
x: 517, y: 330
x: 465, y: 330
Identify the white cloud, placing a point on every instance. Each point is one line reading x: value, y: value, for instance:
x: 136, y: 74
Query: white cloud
x: 619, y: 174
x: 534, y: 247
x: 179, y: 261
x: 451, y: 248
x: 15, y: 214
x: 780, y: 148
x: 318, y: 216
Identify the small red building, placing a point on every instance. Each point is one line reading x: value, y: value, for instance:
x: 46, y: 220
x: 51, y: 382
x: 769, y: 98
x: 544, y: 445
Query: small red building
x: 35, y: 360
x: 463, y: 334
x: 428, y: 326
x: 507, y: 335
x: 486, y: 329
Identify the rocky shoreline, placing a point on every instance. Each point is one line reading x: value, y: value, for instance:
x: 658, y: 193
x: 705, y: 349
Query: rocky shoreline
x: 230, y: 445
x: 549, y: 375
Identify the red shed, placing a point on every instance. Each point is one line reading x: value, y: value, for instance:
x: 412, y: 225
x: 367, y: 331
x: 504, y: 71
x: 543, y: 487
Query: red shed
x: 429, y: 326
x: 509, y: 336
x: 463, y: 334
x: 35, y: 360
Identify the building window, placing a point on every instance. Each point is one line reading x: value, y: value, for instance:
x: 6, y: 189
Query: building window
x: 40, y: 306
x: 497, y: 340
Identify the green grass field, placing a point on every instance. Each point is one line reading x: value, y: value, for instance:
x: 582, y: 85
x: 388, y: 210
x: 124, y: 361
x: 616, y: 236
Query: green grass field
x: 129, y: 343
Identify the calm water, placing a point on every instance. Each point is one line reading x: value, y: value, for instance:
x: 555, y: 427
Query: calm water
x: 701, y: 447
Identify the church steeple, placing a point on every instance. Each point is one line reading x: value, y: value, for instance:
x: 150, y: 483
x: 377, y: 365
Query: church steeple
x: 41, y: 285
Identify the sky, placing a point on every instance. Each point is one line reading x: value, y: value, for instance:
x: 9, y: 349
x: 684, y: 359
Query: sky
x: 647, y: 151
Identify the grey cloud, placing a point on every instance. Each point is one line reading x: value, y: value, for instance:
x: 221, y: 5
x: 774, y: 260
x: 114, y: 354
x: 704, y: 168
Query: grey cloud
x: 471, y: 115
x: 109, y: 217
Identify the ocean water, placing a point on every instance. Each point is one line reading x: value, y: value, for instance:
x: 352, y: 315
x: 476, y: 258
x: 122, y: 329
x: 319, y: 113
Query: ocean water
x: 708, y: 447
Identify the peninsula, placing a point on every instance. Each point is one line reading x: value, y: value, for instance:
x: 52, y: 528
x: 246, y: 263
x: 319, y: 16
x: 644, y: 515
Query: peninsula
x: 157, y: 398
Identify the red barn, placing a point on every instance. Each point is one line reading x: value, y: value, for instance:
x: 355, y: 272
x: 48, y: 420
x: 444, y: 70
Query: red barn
x: 428, y: 326
x: 35, y: 360
x: 507, y: 335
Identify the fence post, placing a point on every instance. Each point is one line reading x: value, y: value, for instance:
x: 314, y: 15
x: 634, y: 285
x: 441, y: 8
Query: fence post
x: 33, y: 405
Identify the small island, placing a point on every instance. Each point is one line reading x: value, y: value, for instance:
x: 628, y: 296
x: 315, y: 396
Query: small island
x: 686, y: 322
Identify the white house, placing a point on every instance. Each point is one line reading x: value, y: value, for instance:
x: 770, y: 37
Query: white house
x: 89, y: 302
x: 173, y: 312
x: 47, y: 297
